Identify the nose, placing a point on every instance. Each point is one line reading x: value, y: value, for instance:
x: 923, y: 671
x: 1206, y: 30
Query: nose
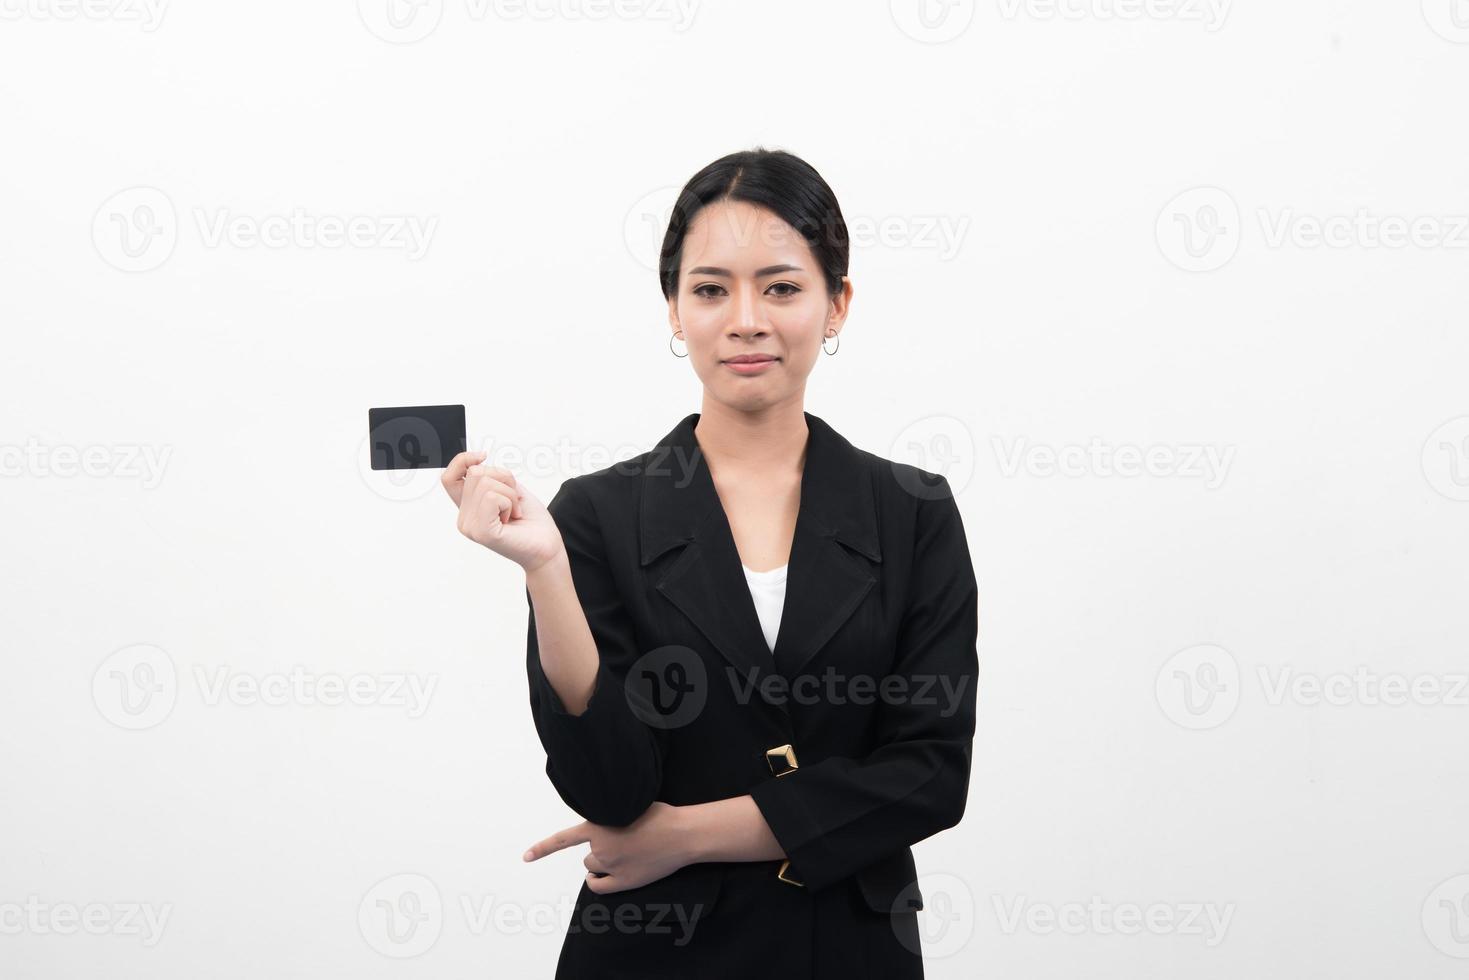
x: 745, y: 306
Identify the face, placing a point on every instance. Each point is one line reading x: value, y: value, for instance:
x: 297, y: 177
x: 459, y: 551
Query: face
x: 752, y: 305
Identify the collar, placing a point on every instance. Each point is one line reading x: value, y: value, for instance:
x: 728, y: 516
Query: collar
x: 678, y: 493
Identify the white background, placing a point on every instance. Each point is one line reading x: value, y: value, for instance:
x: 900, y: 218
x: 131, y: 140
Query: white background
x: 1039, y: 287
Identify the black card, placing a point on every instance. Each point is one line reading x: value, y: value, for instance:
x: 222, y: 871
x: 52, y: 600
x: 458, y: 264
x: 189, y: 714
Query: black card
x: 417, y: 437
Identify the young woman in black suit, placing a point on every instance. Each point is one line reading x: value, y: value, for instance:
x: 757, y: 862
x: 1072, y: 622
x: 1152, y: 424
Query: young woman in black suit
x: 751, y: 779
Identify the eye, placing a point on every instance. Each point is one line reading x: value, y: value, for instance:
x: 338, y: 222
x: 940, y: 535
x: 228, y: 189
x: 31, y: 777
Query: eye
x: 792, y: 288
x: 699, y: 290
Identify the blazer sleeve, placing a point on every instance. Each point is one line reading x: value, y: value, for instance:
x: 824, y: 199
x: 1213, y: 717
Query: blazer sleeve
x: 837, y: 815
x: 606, y: 763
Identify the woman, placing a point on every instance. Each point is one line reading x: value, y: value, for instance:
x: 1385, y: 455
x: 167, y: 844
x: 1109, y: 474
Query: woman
x: 754, y: 749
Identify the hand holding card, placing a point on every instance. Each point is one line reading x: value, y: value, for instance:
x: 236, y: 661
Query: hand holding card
x: 499, y: 512
x: 495, y: 510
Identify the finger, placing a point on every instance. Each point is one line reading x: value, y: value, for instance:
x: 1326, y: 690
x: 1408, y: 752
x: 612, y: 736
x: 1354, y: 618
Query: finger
x: 490, y: 482
x: 507, y: 484
x: 453, y: 475
x: 500, y: 473
x: 569, y: 837
x: 594, y: 865
x: 511, y: 494
x: 605, y: 883
x: 497, y: 502
x: 460, y: 463
x: 478, y: 477
x: 472, y: 479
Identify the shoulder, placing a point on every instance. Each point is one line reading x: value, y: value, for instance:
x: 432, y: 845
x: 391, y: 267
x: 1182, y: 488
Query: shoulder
x: 906, y: 489
x: 610, y: 489
x: 923, y: 532
x: 918, y: 519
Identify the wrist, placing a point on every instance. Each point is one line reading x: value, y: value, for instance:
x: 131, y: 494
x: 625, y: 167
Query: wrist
x: 691, y: 832
x: 546, y: 567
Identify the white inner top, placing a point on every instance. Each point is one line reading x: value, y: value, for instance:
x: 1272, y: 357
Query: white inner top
x: 768, y: 589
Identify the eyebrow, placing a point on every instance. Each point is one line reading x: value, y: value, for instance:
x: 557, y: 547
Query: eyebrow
x: 769, y: 270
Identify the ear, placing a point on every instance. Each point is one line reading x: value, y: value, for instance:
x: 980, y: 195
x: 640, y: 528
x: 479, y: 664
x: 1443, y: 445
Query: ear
x: 673, y: 313
x: 841, y: 304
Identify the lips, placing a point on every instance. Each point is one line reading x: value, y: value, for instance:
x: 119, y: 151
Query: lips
x: 749, y: 358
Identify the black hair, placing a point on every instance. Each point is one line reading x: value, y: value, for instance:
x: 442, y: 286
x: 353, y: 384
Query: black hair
x: 778, y: 181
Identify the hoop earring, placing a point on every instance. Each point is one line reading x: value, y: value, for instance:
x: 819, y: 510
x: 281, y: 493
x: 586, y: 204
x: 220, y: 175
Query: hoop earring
x: 835, y: 349
x: 670, y: 345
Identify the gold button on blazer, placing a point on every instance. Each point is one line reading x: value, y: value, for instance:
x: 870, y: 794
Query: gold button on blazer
x: 853, y: 737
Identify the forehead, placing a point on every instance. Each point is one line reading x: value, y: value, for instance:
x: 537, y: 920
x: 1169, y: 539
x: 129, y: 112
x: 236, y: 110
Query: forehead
x: 737, y: 233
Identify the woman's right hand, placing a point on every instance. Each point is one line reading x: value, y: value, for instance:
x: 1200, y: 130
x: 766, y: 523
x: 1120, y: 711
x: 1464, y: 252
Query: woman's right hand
x: 497, y: 511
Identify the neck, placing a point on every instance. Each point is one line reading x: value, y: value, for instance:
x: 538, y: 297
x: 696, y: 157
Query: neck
x: 769, y: 441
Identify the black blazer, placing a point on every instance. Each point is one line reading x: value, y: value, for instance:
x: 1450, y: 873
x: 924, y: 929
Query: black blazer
x: 854, y: 739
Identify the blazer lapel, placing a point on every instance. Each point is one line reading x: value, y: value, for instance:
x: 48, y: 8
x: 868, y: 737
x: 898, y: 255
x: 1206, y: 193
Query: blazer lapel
x: 836, y: 529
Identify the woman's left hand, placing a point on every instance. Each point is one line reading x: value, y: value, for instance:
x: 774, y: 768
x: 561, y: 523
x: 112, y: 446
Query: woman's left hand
x: 651, y: 847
